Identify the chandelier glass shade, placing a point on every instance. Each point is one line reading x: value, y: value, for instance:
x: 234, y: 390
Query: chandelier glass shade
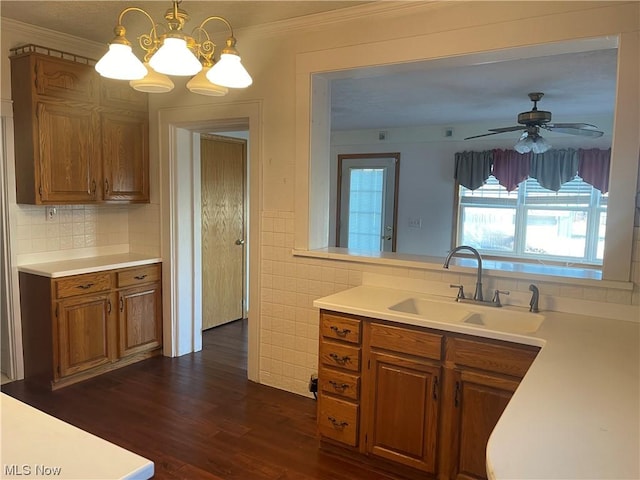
x: 170, y: 51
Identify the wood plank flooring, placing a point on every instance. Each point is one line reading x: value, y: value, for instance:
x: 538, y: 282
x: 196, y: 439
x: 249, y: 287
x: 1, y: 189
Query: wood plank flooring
x: 198, y: 417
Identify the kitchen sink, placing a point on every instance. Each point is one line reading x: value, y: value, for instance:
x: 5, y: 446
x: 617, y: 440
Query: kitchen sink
x: 432, y: 310
x: 504, y: 319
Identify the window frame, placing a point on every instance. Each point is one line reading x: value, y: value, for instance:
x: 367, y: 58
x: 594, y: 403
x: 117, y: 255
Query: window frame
x: 594, y: 210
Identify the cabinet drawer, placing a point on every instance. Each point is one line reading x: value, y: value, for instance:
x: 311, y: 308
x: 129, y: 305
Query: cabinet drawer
x: 139, y: 275
x: 339, y: 383
x: 508, y: 359
x: 340, y: 328
x: 340, y: 356
x: 82, y: 284
x: 338, y: 420
x: 404, y: 340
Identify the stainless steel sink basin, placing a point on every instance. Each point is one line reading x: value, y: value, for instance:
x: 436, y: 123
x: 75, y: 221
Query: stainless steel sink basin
x: 505, y: 319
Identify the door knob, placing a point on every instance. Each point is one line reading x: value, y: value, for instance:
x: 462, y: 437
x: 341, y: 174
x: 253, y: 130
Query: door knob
x: 239, y: 242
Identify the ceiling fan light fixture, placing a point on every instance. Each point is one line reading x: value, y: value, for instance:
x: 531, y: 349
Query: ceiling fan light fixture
x: 531, y: 142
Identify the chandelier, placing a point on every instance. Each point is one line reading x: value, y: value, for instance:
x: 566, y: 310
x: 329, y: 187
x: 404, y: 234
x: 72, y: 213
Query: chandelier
x: 170, y: 51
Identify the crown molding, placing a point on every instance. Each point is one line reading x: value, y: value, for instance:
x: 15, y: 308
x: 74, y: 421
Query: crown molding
x: 387, y: 9
x: 50, y: 38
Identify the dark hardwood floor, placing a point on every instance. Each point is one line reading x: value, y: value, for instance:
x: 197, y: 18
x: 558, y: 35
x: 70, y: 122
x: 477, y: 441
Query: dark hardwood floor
x: 198, y: 417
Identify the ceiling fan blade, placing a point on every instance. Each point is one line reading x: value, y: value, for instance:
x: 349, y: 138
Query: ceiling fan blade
x: 508, y: 129
x: 584, y: 129
x: 483, y: 135
x: 495, y: 131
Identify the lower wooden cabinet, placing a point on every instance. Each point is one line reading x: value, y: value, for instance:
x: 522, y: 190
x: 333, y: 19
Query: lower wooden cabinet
x: 419, y: 402
x: 80, y: 326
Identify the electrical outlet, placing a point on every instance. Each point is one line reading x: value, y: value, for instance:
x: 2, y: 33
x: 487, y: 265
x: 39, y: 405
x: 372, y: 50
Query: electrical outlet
x: 51, y: 212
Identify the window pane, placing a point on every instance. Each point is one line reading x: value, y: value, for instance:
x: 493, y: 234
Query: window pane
x: 602, y: 227
x: 365, y: 208
x: 488, y: 228
x: 556, y: 232
x: 573, y: 193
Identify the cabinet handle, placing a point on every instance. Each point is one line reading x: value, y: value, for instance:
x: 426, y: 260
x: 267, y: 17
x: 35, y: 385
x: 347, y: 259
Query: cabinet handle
x: 85, y: 286
x: 435, y: 388
x: 140, y: 277
x: 456, y: 398
x: 109, y: 307
x: 338, y: 425
x: 341, y: 387
x: 106, y: 185
x: 340, y: 360
x: 341, y: 333
x: 121, y: 304
x: 92, y: 191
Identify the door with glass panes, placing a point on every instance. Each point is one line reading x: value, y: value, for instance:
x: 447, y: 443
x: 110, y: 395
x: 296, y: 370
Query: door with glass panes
x: 367, y: 201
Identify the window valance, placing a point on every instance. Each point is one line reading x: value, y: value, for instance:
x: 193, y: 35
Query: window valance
x: 551, y: 169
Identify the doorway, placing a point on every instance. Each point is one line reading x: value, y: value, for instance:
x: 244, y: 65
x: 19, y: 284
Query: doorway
x: 223, y: 210
x: 367, y: 201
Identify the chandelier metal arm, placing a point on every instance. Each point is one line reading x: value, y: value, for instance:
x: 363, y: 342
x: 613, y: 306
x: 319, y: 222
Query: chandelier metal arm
x: 148, y: 42
x: 216, y: 17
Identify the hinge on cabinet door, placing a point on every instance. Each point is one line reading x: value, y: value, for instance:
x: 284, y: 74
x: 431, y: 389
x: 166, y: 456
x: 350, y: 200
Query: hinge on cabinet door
x: 456, y: 398
x: 435, y: 388
x: 369, y: 364
x: 121, y: 303
x: 366, y: 439
x: 57, y: 306
x: 40, y: 191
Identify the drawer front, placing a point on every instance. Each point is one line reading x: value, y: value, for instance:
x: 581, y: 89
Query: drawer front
x: 341, y: 328
x: 338, y: 420
x: 83, y: 284
x: 512, y: 360
x: 340, y: 356
x: 139, y: 275
x: 339, y: 383
x: 404, y: 340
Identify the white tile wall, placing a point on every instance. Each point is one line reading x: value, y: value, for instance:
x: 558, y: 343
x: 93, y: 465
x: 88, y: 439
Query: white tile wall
x: 73, y: 227
x: 289, y: 334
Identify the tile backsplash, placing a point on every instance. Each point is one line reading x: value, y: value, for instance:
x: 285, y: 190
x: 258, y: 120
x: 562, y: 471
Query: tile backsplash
x: 73, y: 227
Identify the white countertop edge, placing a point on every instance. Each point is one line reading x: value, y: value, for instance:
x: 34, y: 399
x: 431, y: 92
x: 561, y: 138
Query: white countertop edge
x: 78, y: 266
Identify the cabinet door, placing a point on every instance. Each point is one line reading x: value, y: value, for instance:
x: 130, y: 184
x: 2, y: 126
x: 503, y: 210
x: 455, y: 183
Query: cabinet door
x: 140, y: 319
x: 60, y: 78
x: 85, y: 333
x: 478, y: 401
x: 125, y: 157
x: 403, y: 410
x: 69, y: 154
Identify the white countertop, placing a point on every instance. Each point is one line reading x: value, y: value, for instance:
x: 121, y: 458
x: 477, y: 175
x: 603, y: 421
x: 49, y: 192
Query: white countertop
x: 576, y: 413
x: 37, y: 445
x: 79, y: 266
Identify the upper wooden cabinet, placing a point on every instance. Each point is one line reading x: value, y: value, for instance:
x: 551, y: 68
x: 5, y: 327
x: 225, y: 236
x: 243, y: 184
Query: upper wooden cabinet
x: 79, y: 139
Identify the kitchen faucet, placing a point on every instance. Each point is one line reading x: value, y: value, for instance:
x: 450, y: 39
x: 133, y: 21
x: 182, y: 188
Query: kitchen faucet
x: 478, y: 293
x: 535, y: 295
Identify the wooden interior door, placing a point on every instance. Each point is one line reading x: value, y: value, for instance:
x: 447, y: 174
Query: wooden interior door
x: 223, y: 166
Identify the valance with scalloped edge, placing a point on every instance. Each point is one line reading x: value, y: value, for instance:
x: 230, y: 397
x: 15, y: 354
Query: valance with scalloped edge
x: 551, y: 169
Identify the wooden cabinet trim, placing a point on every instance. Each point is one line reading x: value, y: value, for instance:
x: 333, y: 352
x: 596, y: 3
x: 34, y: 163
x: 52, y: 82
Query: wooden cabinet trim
x: 405, y: 340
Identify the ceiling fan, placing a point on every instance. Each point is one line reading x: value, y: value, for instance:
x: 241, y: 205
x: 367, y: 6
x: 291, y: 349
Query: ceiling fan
x: 531, y: 122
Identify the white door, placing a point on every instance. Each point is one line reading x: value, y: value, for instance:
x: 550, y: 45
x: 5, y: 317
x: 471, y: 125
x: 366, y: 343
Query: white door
x: 367, y: 201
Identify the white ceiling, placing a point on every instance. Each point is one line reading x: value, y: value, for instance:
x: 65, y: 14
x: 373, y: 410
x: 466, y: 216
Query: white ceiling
x: 483, y: 88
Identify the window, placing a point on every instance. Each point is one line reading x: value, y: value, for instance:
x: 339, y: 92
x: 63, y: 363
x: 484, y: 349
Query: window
x: 533, y: 222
